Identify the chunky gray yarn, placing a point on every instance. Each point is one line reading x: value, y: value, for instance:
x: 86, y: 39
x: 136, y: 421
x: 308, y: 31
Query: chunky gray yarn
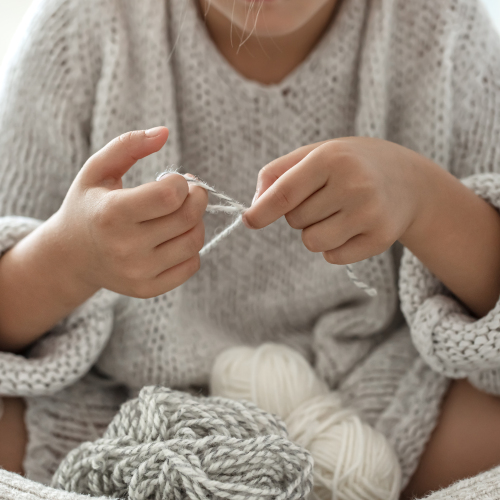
x: 169, y: 445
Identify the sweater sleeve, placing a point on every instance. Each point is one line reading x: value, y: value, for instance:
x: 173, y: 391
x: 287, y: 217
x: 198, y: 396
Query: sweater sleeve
x: 46, y: 95
x: 452, y: 341
x: 16, y: 487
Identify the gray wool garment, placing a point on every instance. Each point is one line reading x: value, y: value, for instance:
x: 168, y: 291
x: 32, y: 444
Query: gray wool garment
x: 424, y: 74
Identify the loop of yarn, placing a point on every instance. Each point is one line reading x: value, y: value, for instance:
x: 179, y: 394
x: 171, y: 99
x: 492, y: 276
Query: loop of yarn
x: 169, y: 445
x: 352, y: 460
x: 232, y: 207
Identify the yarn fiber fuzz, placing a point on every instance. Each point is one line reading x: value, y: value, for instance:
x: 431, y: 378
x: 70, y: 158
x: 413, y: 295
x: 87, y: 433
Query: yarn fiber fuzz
x: 352, y: 461
x: 169, y: 445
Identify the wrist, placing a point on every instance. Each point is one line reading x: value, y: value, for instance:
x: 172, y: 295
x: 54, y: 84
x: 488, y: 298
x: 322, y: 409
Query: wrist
x: 38, y: 287
x: 67, y: 263
x: 429, y: 184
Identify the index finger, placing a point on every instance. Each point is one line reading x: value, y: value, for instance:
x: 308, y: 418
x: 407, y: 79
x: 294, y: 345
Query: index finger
x: 274, y: 170
x: 293, y: 187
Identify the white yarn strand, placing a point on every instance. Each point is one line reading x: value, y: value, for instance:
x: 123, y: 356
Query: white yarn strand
x: 232, y: 207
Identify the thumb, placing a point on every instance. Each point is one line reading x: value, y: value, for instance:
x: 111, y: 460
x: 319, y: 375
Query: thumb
x: 118, y: 156
x: 269, y: 174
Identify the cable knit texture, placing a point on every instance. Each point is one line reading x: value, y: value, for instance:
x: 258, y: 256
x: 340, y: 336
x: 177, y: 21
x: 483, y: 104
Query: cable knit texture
x: 424, y: 74
x: 169, y: 445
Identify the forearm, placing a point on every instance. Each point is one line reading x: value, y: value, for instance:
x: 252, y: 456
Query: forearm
x: 457, y: 236
x: 38, y: 287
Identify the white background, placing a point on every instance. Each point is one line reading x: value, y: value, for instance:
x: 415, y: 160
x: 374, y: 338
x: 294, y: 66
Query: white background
x: 12, y: 11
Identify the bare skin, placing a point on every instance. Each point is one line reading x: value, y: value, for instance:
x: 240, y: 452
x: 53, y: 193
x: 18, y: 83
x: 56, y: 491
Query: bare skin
x: 465, y: 442
x: 466, y: 439
x: 282, y: 35
x: 13, y: 436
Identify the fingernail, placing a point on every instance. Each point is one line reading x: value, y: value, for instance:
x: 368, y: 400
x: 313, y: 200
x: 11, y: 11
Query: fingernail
x: 153, y: 132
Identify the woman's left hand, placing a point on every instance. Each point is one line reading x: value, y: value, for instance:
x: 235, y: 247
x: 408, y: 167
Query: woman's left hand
x: 352, y: 197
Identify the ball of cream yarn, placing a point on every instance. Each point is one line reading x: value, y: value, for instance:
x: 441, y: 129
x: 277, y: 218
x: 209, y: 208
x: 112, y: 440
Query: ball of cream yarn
x: 274, y: 377
x: 352, y: 460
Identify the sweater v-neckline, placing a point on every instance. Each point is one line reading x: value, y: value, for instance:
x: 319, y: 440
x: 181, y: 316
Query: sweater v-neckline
x: 240, y: 83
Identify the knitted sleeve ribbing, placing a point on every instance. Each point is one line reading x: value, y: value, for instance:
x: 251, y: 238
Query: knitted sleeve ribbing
x: 46, y: 96
x: 450, y: 340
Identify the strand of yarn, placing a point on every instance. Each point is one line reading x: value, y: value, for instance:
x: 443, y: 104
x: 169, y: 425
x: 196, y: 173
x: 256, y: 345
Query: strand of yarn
x: 372, y: 292
x: 169, y: 445
x: 352, y: 460
x: 232, y: 207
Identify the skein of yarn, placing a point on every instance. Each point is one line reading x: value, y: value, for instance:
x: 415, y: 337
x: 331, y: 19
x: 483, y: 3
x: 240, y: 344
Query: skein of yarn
x: 169, y: 445
x: 274, y: 377
x: 352, y: 460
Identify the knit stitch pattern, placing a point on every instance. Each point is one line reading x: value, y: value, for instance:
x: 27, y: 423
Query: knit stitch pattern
x: 168, y: 445
x: 448, y: 338
x: 423, y: 74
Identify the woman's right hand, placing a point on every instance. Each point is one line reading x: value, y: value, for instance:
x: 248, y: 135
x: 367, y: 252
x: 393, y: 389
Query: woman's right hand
x: 142, y: 241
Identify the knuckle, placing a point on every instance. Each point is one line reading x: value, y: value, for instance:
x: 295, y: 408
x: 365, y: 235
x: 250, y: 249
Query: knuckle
x: 267, y: 170
x: 337, y: 257
x: 120, y: 250
x: 191, y: 212
x: 193, y: 243
x: 310, y: 241
x: 170, y: 195
x: 340, y: 147
x: 105, y: 213
x: 331, y: 257
x: 360, y: 180
x: 200, y: 238
x: 280, y: 196
x: 295, y: 220
x: 323, y: 153
x: 127, y: 140
x: 200, y: 198
x: 193, y: 265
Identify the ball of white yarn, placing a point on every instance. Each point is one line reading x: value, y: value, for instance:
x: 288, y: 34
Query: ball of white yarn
x: 352, y: 461
x: 273, y: 376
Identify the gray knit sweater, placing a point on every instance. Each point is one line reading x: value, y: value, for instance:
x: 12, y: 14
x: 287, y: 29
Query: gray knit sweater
x: 425, y: 74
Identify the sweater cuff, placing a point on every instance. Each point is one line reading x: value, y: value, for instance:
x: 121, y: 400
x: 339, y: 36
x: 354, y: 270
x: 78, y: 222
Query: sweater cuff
x: 14, y: 229
x: 485, y: 486
x: 16, y: 487
x: 450, y: 340
x: 65, y: 353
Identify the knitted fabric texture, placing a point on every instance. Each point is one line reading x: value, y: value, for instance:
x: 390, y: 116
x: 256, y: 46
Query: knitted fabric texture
x: 423, y: 74
x: 168, y: 445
